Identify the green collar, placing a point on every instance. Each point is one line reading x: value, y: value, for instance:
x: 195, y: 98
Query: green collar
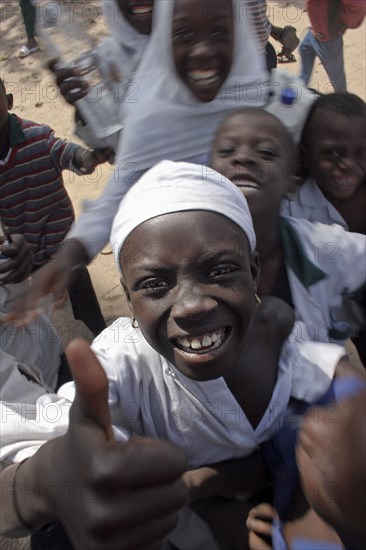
x: 295, y: 257
x: 16, y: 134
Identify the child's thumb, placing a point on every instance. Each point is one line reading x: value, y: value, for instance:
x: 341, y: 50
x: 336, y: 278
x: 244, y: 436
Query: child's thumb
x: 91, y: 386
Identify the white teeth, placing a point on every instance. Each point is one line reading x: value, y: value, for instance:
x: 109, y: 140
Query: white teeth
x: 208, y: 74
x: 214, y: 339
x: 196, y: 344
x: 141, y: 10
x: 206, y: 341
x: 249, y: 185
x: 345, y: 183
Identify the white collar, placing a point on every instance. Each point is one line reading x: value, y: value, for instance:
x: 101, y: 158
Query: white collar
x: 311, y: 195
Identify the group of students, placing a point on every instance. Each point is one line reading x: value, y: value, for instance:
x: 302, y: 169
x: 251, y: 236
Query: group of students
x: 242, y: 292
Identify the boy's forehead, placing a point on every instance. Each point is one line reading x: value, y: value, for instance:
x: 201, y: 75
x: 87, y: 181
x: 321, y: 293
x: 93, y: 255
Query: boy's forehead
x: 241, y: 122
x: 326, y: 122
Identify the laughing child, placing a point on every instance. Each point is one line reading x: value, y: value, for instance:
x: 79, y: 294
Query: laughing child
x: 306, y: 264
x: 333, y: 147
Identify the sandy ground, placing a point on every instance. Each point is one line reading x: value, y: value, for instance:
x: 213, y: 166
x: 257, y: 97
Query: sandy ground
x: 37, y: 98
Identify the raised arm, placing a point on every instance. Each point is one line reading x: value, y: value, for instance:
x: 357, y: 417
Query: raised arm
x: 89, y: 472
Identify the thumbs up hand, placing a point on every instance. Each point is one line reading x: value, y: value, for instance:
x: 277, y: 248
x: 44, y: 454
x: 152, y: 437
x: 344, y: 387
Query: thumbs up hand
x: 107, y: 495
x: 90, y: 406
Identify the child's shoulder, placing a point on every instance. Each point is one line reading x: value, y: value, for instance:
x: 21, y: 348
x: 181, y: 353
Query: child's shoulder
x: 22, y: 130
x: 274, y: 317
x: 31, y: 125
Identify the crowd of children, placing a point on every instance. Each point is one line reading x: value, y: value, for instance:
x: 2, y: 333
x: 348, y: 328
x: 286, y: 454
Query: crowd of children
x: 225, y: 412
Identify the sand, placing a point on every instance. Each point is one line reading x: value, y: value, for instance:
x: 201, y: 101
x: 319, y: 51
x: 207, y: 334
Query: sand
x: 37, y: 98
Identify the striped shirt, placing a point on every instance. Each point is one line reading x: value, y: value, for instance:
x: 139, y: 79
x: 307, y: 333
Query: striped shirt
x: 33, y: 199
x: 256, y: 12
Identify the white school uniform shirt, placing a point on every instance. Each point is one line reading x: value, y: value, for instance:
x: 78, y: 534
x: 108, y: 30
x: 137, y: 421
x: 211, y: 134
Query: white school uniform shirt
x: 310, y: 203
x: 326, y: 268
x: 149, y: 396
x: 30, y: 413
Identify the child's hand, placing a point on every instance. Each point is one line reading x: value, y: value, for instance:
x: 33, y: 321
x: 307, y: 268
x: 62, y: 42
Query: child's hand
x: 51, y: 278
x: 86, y: 160
x: 110, y: 495
x: 69, y: 81
x: 259, y: 524
x: 20, y: 263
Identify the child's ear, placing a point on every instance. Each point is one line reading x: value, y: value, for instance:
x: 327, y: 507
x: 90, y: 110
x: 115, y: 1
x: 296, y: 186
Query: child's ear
x: 10, y: 101
x: 293, y: 183
x: 255, y: 269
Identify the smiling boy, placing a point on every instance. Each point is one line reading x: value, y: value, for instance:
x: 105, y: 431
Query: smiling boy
x: 306, y: 264
x: 334, y: 155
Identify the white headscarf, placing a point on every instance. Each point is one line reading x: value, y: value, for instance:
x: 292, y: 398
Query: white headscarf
x: 167, y: 121
x: 177, y: 187
x: 129, y: 41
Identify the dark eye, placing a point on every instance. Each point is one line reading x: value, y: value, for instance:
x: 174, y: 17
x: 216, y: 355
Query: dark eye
x: 221, y: 270
x: 220, y: 32
x: 182, y: 35
x: 267, y: 154
x: 332, y: 154
x: 226, y: 151
x: 153, y: 283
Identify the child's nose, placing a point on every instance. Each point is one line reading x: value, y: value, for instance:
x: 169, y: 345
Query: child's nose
x: 202, y: 50
x: 244, y: 156
x: 192, y: 303
x: 348, y: 162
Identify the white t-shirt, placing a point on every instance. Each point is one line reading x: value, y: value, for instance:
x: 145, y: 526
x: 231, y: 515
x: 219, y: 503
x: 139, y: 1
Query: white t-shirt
x: 149, y: 396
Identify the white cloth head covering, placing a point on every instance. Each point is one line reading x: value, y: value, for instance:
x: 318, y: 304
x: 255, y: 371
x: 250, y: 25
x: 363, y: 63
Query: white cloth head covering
x: 177, y: 187
x: 167, y: 121
x: 130, y: 43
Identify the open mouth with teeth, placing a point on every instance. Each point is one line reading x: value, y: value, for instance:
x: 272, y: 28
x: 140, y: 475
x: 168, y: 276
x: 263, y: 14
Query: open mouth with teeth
x: 140, y: 10
x: 244, y: 181
x: 204, y: 77
x: 345, y: 182
x: 205, y: 343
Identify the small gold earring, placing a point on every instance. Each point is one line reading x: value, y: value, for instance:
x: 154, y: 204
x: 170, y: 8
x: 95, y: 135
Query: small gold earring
x: 134, y: 323
x: 257, y: 299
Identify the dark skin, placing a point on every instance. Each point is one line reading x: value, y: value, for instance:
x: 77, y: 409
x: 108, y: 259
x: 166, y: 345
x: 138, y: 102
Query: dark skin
x: 252, y: 150
x: 142, y: 475
x: 189, y: 290
x: 55, y: 276
x: 138, y: 13
x: 331, y: 482
x: 221, y: 291
x: 179, y: 287
x: 203, y: 42
x: 337, y: 161
x: 20, y: 260
x: 324, y: 462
